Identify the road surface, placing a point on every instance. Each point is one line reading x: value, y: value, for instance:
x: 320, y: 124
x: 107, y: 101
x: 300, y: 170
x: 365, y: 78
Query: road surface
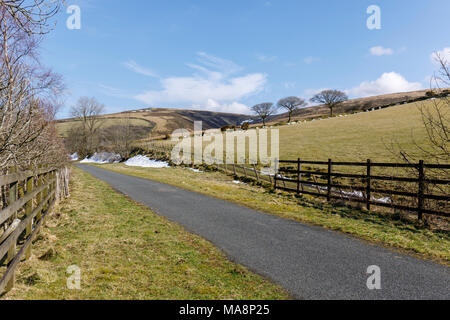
x: 310, y: 262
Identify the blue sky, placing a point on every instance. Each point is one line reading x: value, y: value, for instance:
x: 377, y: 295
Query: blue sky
x: 229, y: 55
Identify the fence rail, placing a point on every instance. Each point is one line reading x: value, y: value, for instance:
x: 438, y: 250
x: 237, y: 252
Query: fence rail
x: 370, y: 182
x: 333, y: 190
x: 27, y: 197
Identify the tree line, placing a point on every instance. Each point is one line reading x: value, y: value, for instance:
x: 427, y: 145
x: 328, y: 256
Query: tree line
x: 330, y: 98
x: 90, y: 132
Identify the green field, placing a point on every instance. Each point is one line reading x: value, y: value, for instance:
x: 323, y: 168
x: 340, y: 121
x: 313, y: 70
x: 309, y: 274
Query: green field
x: 125, y: 251
x: 376, y: 135
x: 358, y: 137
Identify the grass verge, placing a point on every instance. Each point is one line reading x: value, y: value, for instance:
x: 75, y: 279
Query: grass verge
x: 125, y: 251
x: 375, y: 227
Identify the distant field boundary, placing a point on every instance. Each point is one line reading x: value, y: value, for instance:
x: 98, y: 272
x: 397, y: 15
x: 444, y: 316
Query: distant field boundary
x: 27, y: 198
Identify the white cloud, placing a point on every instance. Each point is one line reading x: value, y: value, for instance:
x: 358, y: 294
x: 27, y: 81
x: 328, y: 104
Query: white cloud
x: 234, y: 107
x: 380, y: 51
x: 215, y: 88
x: 133, y: 66
x: 444, y: 53
x: 310, y: 60
x: 390, y: 82
x: 263, y: 58
x: 289, y: 85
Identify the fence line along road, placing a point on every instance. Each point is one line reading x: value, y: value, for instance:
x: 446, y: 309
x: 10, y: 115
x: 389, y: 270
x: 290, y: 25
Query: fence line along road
x: 26, y: 199
x: 414, y: 187
x: 412, y: 192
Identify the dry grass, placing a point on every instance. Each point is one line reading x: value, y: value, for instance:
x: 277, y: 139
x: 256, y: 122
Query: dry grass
x: 125, y: 251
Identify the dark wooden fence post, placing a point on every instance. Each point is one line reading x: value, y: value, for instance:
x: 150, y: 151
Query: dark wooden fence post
x: 369, y: 184
x: 39, y: 197
x: 299, y: 176
x: 421, y: 190
x: 12, y: 250
x: 256, y: 172
x: 28, y: 212
x: 330, y: 171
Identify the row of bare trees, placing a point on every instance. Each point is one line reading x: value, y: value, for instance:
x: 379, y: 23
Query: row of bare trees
x: 90, y: 132
x: 29, y: 93
x: 330, y: 98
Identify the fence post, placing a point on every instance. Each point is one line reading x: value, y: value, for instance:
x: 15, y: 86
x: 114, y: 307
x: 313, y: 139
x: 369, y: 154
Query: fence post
x: 330, y: 169
x: 45, y: 192
x: 369, y: 184
x: 256, y: 172
x: 234, y: 169
x: 39, y: 197
x: 421, y: 190
x: 12, y: 250
x: 28, y: 212
x: 299, y: 176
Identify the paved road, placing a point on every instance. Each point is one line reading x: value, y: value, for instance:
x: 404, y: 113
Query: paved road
x: 310, y: 262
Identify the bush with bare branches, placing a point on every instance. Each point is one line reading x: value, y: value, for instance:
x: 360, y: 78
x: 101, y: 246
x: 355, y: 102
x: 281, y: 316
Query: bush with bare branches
x: 28, y: 92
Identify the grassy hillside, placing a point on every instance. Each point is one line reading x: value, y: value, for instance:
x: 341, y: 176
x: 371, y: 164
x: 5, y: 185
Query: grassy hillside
x: 356, y: 105
x: 355, y: 137
x: 159, y: 122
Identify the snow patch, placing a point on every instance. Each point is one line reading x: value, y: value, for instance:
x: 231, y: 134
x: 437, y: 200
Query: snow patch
x: 74, y: 157
x: 103, y: 158
x: 145, y: 162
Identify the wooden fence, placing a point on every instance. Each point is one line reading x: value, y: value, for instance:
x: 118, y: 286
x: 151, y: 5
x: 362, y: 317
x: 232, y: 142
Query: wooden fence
x: 413, y: 187
x: 27, y: 197
x: 408, y: 187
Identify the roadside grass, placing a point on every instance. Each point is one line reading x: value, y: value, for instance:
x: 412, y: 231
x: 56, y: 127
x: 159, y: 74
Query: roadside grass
x: 125, y: 251
x: 383, y: 229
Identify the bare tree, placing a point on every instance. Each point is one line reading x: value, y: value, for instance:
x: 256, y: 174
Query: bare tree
x: 291, y: 104
x: 264, y: 110
x: 32, y: 16
x: 121, y: 137
x: 331, y: 98
x: 436, y: 118
x: 88, y: 111
x: 435, y: 115
x: 28, y: 92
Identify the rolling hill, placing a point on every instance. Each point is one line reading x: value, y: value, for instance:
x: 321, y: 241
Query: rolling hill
x: 157, y: 122
x: 357, y: 105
